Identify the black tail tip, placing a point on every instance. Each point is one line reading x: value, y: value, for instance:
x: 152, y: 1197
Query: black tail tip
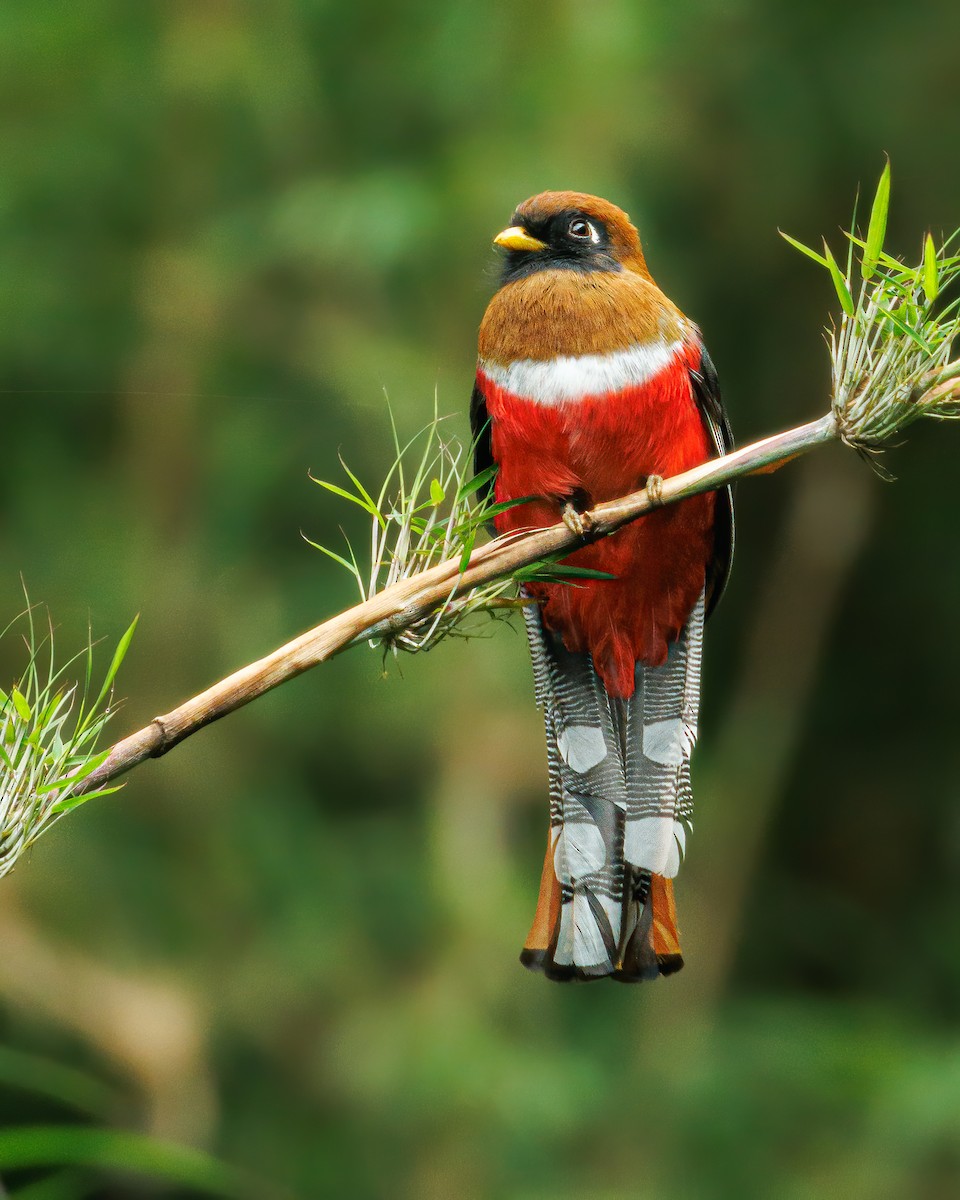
x: 541, y: 961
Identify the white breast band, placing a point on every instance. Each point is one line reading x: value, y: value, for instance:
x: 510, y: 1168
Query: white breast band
x: 567, y: 378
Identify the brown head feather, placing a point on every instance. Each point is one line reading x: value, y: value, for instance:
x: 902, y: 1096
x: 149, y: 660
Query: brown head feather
x: 624, y: 239
x: 553, y: 311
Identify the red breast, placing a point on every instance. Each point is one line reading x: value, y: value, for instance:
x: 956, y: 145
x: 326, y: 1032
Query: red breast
x: 584, y: 368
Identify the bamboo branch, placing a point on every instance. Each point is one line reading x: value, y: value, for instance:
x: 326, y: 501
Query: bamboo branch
x: 409, y: 601
x: 891, y: 365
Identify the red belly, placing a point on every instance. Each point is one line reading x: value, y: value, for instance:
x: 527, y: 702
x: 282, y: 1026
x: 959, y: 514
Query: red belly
x: 598, y: 449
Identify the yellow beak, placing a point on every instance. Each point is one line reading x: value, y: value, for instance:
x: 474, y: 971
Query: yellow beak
x: 517, y: 238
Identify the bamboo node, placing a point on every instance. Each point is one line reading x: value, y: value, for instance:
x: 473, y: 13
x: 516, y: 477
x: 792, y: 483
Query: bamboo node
x: 654, y: 489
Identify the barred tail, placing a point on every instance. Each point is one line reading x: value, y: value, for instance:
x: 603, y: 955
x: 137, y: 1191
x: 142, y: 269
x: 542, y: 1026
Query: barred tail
x: 620, y: 808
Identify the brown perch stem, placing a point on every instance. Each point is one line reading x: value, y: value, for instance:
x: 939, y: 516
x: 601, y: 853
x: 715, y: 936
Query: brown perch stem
x: 410, y: 600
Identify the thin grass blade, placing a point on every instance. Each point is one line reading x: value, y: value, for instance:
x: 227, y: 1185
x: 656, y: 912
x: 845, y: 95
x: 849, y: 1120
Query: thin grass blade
x: 817, y: 258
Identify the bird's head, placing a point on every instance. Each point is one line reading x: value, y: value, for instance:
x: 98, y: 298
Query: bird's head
x: 569, y: 230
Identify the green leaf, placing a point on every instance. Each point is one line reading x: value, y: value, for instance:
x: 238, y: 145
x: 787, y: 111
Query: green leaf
x: 71, y: 802
x: 477, y: 482
x: 905, y: 329
x: 368, y: 499
x: 549, y: 569
x: 886, y: 260
x: 115, y: 663
x: 437, y: 494
x: 468, y: 544
x: 496, y: 509
x: 338, y: 558
x: 902, y: 283
x: 30, y: 1147
x: 46, y: 1077
x: 818, y: 258
x: 64, y: 1185
x: 877, y: 229
x: 839, y: 283
x: 78, y: 769
x: 339, y: 491
x: 566, y: 569
x: 122, y: 647
x: 931, y: 284
x: 21, y: 705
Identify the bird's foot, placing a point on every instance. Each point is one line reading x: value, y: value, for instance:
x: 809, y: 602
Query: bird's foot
x: 577, y: 522
x: 654, y: 488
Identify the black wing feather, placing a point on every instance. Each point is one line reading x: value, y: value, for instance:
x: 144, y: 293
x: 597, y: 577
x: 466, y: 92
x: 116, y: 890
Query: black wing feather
x: 706, y: 388
x: 480, y: 428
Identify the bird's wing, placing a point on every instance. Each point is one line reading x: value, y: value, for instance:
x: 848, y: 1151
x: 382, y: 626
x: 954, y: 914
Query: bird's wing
x: 706, y: 389
x: 480, y: 428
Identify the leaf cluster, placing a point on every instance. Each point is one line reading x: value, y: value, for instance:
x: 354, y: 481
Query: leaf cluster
x: 49, y: 730
x: 429, y: 509
x: 891, y: 351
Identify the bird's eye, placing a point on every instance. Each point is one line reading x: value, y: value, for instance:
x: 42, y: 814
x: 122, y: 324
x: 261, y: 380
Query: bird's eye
x: 582, y: 230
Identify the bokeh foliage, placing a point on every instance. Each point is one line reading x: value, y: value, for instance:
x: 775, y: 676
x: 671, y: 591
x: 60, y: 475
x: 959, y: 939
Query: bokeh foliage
x: 225, y: 228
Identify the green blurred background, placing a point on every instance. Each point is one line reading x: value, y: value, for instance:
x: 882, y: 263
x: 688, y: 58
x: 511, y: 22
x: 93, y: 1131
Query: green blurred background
x: 225, y: 230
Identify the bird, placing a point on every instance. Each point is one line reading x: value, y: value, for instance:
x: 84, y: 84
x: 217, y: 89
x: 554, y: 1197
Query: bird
x: 591, y: 383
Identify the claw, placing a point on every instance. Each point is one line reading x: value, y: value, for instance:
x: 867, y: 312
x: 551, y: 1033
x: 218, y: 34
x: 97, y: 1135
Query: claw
x: 577, y: 522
